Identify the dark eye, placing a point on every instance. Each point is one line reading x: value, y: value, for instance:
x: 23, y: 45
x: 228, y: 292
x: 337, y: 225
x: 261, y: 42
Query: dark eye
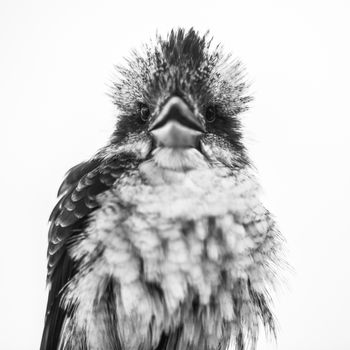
x: 144, y: 112
x: 210, y: 113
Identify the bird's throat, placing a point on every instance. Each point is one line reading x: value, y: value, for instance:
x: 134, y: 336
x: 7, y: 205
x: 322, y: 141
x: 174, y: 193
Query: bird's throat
x: 170, y: 165
x: 179, y: 158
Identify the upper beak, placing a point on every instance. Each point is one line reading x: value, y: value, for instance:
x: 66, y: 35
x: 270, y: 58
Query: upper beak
x: 176, y: 125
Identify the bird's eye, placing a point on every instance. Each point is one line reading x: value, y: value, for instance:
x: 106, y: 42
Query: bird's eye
x: 144, y: 112
x: 210, y: 113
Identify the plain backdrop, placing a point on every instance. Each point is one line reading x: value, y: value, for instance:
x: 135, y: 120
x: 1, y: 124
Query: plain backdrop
x: 56, y: 63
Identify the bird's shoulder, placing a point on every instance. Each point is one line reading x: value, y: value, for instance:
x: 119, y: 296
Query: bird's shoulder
x: 77, y: 200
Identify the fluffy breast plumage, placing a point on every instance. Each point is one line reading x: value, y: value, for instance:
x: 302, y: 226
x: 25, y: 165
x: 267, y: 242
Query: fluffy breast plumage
x: 171, y: 251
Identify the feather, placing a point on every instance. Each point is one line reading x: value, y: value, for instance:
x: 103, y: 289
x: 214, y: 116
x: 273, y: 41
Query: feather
x: 165, y: 248
x: 67, y: 222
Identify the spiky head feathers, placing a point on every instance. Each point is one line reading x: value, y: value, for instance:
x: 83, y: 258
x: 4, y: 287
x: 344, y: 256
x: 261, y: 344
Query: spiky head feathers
x: 184, y: 63
x: 187, y: 65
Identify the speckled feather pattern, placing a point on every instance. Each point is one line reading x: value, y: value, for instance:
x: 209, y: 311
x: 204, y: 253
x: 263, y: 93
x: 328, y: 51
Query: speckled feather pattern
x: 167, y: 241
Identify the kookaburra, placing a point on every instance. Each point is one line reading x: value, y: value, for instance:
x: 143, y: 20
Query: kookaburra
x: 160, y: 241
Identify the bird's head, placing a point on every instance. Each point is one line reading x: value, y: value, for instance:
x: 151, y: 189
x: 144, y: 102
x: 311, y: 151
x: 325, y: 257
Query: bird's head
x: 180, y: 102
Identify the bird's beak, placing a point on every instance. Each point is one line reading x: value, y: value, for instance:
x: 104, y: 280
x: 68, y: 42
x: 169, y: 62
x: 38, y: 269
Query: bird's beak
x: 176, y: 125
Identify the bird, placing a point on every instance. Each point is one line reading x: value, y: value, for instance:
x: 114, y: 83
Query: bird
x: 160, y: 241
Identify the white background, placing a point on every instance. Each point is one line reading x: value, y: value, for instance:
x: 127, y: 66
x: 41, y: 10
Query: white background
x: 56, y: 62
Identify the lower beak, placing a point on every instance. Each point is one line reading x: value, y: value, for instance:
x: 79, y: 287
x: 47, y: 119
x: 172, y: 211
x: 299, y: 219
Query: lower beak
x: 176, y: 125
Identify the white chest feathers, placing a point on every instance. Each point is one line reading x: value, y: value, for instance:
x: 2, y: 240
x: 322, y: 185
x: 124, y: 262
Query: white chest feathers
x: 166, y: 239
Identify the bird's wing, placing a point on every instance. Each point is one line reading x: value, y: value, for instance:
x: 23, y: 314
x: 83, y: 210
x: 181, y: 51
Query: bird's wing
x: 68, y: 219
